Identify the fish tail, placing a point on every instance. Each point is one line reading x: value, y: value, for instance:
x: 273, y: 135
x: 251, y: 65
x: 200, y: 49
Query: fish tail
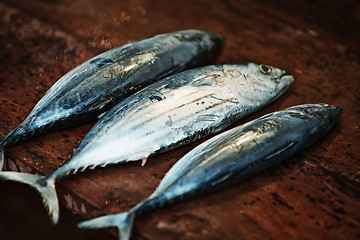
x: 123, y: 221
x: 44, y: 185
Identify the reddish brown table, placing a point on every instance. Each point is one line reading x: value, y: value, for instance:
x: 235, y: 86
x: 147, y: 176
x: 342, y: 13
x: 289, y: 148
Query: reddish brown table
x: 315, y: 194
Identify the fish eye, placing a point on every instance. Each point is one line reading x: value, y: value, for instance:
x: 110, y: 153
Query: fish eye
x: 265, y: 69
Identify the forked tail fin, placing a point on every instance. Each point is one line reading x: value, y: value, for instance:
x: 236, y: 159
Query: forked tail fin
x: 45, y: 186
x: 123, y: 221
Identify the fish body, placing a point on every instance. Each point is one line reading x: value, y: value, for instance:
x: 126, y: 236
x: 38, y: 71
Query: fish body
x: 103, y: 81
x: 175, y: 111
x: 232, y: 156
x: 166, y: 114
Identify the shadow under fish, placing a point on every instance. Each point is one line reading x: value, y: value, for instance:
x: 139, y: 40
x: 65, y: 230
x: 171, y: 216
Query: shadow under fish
x: 177, y: 110
x: 230, y: 157
x: 97, y: 85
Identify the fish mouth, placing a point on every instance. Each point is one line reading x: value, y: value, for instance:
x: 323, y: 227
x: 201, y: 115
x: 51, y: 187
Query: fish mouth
x: 285, y: 80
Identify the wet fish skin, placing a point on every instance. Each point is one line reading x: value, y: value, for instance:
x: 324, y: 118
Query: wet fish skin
x: 157, y: 118
x: 180, y: 109
x: 103, y: 81
x: 230, y: 157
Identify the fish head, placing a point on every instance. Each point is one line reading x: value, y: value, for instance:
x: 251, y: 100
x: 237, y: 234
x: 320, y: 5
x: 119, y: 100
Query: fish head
x: 213, y: 44
x: 208, y: 43
x: 320, y: 118
x: 216, y: 39
x: 272, y: 77
x: 205, y: 38
x: 319, y: 112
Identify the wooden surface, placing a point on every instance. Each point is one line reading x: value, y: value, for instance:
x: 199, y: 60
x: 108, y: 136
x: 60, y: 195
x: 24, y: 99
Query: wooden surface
x: 315, y: 194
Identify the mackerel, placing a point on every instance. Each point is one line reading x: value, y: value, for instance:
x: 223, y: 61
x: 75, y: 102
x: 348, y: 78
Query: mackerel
x: 103, y: 81
x: 230, y: 157
x: 179, y: 109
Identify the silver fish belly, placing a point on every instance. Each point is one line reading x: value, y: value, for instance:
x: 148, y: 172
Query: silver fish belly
x: 166, y: 114
x: 175, y: 111
x: 103, y: 81
x: 232, y: 156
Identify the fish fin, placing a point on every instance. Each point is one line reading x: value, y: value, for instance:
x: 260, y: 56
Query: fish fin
x: 45, y: 186
x: 123, y: 221
x: 101, y: 104
x: 101, y: 115
x: 143, y: 161
x: 1, y: 157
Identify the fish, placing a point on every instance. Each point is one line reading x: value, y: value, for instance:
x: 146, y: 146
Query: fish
x: 177, y: 110
x: 231, y: 157
x: 100, y: 83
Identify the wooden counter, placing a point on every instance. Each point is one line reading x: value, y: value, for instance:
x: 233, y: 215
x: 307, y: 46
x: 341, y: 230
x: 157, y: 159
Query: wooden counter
x: 313, y: 195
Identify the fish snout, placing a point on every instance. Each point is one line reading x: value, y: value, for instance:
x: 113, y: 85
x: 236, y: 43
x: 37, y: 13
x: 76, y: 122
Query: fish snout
x: 334, y: 112
x: 285, y: 79
x: 218, y: 39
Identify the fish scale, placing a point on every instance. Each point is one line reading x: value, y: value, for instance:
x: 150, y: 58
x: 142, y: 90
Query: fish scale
x: 139, y: 126
x: 230, y: 157
x: 129, y: 128
x: 95, y: 86
x: 194, y: 96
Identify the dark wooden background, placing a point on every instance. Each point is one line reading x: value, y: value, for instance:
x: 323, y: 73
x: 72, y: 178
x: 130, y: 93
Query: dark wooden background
x: 313, y: 195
